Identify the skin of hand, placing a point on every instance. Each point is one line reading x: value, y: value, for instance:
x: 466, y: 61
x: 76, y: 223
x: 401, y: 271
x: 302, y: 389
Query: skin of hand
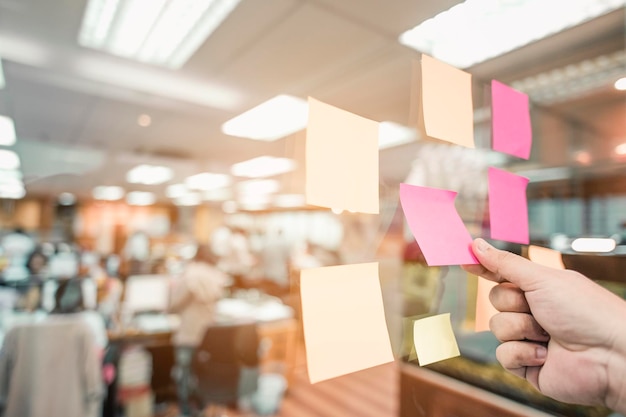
x: 559, y: 330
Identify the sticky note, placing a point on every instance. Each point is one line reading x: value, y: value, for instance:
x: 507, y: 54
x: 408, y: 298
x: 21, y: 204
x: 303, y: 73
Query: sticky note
x: 343, y: 319
x: 484, y: 309
x: 434, y: 339
x: 508, y: 207
x: 436, y: 225
x: 341, y: 159
x: 510, y: 121
x: 546, y: 256
x: 447, y: 102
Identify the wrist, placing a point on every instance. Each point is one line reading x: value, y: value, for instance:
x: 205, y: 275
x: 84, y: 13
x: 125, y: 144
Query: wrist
x: 616, y: 366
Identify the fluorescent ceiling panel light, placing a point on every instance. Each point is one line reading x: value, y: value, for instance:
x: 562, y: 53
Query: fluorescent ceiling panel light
x: 256, y: 187
x: 218, y: 194
x: 591, y: 244
x: 2, y: 79
x: 66, y: 199
x: 620, y: 84
x: 159, y: 32
x: 7, y: 131
x: 573, y: 80
x: 289, y: 200
x: 229, y: 207
x: 12, y: 176
x: 176, y: 190
x: 254, y: 200
x: 12, y: 191
x: 263, y: 166
x: 477, y: 30
x: 189, y: 199
x: 9, y: 160
x: 393, y: 134
x: 140, y: 198
x: 276, y: 118
x: 149, y: 174
x: 207, y: 181
x: 108, y: 193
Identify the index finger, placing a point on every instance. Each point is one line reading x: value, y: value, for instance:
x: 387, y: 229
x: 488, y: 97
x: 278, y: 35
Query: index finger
x: 499, y: 266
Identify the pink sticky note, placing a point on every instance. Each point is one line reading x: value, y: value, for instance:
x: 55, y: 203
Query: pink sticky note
x: 436, y: 225
x: 508, y: 208
x: 510, y: 120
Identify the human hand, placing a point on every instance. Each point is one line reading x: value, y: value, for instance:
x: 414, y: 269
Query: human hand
x: 559, y: 330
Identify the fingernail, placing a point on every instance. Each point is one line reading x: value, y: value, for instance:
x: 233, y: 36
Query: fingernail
x: 482, y: 245
x: 541, y: 352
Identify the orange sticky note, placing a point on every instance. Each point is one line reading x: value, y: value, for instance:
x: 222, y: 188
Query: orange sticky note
x: 341, y: 159
x: 484, y: 309
x: 546, y: 256
x: 447, y: 102
x: 434, y: 339
x: 344, y: 320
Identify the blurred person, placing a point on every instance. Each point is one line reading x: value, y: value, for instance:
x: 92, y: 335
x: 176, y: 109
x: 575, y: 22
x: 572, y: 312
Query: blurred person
x: 52, y: 368
x: 238, y: 259
x: 109, y: 292
x: 275, y: 256
x: 194, y: 298
x: 559, y: 330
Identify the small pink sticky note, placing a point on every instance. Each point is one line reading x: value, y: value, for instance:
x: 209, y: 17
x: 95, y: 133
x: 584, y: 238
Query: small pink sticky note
x: 436, y: 225
x: 510, y: 120
x: 508, y: 208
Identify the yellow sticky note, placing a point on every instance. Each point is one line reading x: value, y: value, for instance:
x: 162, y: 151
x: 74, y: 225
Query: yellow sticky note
x: 484, y: 309
x: 434, y: 339
x: 344, y: 320
x: 447, y: 102
x: 546, y: 257
x: 341, y: 159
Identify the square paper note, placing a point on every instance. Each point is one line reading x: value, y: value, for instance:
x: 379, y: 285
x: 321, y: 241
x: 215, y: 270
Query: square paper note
x: 344, y: 321
x: 434, y: 339
x: 510, y: 121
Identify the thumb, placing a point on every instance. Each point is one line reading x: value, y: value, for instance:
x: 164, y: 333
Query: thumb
x: 498, y: 265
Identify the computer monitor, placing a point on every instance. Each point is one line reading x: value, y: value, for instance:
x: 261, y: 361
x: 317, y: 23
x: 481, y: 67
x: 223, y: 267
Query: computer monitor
x: 147, y: 293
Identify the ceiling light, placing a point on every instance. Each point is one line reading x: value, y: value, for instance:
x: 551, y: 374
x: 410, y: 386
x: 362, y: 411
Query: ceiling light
x: 66, y: 199
x: 176, y: 190
x: 621, y: 84
x: 276, y: 118
x: 256, y: 187
x: 107, y: 193
x: 7, y: 131
x: 289, y: 200
x: 140, y: 198
x: 575, y: 79
x: 263, y: 166
x: 149, y: 174
x: 218, y: 194
x: 9, y: 160
x: 10, y: 176
x: 189, y: 199
x: 12, y: 191
x: 2, y: 79
x: 621, y: 149
x: 229, y: 207
x: 144, y: 120
x: 253, y: 200
x: 392, y: 134
x: 590, y: 244
x: 477, y: 30
x: 207, y: 181
x: 158, y: 32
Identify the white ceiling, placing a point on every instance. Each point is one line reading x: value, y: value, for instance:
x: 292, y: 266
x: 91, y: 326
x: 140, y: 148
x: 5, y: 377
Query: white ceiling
x: 76, y: 110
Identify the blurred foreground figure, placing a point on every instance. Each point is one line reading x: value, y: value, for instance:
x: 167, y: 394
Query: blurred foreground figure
x: 52, y: 368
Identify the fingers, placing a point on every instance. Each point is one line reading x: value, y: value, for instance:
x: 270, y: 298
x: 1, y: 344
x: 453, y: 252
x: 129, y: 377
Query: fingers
x: 516, y: 356
x: 517, y: 326
x: 508, y: 297
x: 498, y: 265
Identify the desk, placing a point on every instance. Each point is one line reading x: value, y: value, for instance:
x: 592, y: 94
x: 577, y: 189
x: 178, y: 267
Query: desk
x: 278, y: 340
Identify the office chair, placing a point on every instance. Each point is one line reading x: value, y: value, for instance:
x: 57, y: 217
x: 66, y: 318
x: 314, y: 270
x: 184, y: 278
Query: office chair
x: 225, y: 366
